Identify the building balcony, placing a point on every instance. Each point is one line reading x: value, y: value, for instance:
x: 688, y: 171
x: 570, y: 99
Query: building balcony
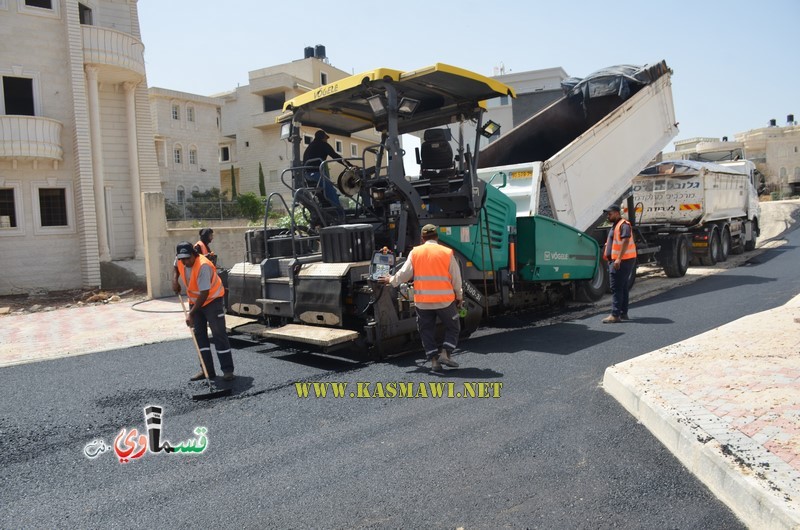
x: 266, y: 120
x: 30, y: 138
x: 119, y: 56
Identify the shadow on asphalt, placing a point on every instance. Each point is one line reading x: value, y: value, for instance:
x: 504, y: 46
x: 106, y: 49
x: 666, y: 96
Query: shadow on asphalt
x: 559, y: 339
x: 649, y: 320
x: 767, y: 255
x: 709, y: 284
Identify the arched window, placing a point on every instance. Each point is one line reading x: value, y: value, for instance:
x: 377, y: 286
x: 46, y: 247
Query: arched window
x: 193, y: 155
x: 180, y: 195
x: 190, y: 113
x: 195, y: 189
x: 177, y: 154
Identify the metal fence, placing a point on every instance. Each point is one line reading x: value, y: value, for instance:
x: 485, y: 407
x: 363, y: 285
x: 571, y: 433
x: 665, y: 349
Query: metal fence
x: 212, y: 210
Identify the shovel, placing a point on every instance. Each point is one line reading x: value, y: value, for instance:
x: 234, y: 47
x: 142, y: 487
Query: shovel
x: 212, y: 394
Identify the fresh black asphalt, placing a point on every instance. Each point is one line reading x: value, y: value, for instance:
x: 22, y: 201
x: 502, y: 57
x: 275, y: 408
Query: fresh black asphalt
x: 553, y: 451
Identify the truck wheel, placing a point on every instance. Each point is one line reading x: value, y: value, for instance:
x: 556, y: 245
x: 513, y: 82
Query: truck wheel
x: 712, y: 251
x: 725, y: 243
x: 675, y: 257
x: 592, y: 290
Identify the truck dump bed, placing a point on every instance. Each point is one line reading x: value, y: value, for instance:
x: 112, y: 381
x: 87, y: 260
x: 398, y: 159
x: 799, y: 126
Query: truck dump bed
x: 577, y: 156
x: 689, y: 193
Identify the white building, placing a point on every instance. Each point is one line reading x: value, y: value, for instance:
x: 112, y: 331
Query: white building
x: 187, y: 140
x: 250, y: 135
x: 76, y: 141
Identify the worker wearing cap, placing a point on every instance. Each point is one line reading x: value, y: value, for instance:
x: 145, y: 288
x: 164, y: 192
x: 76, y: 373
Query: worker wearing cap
x: 317, y: 152
x: 437, y: 293
x: 206, y: 308
x: 620, y: 252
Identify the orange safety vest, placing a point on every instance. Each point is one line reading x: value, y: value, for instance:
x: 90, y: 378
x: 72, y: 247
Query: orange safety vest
x: 217, y: 290
x: 616, y: 243
x: 432, y: 280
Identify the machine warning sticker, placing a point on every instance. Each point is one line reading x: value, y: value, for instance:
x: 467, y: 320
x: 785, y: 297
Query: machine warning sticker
x: 521, y: 174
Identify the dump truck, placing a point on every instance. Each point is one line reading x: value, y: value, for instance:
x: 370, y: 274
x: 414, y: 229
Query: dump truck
x: 699, y: 211
x: 577, y: 156
x: 314, y: 287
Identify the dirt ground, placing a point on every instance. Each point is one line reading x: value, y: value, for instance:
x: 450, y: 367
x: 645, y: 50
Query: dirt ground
x: 777, y: 218
x: 51, y: 300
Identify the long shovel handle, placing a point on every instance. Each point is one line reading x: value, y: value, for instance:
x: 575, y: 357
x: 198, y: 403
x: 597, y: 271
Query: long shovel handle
x: 194, y: 340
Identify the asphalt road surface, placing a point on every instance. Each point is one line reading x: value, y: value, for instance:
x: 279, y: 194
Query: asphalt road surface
x: 547, y: 449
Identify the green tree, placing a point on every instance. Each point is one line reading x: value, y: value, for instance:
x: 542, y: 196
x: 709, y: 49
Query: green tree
x: 262, y: 188
x: 233, y: 184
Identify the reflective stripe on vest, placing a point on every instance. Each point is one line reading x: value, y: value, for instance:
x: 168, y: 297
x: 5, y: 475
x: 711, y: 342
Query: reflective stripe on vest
x: 616, y: 244
x: 432, y: 281
x: 217, y: 290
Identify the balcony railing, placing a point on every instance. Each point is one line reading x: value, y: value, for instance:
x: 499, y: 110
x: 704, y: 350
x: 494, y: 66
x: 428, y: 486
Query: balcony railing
x: 122, y: 52
x: 30, y: 137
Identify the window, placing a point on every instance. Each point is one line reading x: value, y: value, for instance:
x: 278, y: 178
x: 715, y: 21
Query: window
x: 195, y: 189
x: 338, y: 146
x: 353, y: 150
x: 273, y: 102
x: 180, y: 195
x: 10, y: 208
x: 176, y: 112
x: 193, y: 156
x: 85, y: 14
x: 224, y: 153
x: 190, y: 114
x: 307, y: 139
x: 18, y: 96
x: 52, y: 205
x: 41, y: 8
x: 177, y: 155
x: 323, y: 78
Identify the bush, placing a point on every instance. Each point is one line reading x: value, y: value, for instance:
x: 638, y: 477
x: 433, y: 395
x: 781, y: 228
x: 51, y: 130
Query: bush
x: 250, y: 206
x: 775, y: 195
x: 301, y: 216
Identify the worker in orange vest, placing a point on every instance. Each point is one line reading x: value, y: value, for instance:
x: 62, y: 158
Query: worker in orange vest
x: 620, y: 252
x: 437, y: 293
x: 206, y: 309
x: 203, y: 246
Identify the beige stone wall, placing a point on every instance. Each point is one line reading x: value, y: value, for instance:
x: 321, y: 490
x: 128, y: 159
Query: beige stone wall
x: 160, y: 243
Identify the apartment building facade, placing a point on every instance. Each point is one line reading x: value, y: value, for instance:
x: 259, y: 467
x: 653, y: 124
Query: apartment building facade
x: 187, y: 142
x: 76, y: 141
x: 249, y: 134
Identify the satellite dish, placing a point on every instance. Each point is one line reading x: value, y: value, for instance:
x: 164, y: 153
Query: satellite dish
x: 349, y: 182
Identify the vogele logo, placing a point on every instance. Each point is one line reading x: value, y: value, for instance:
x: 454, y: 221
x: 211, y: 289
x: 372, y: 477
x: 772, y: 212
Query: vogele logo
x: 548, y: 255
x: 129, y: 444
x: 327, y: 90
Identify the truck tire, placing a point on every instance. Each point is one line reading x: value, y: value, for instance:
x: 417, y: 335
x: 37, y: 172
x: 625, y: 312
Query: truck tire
x: 725, y: 243
x: 712, y: 251
x: 592, y: 290
x: 674, y: 257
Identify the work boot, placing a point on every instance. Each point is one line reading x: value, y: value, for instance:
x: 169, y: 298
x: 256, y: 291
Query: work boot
x: 228, y: 376
x: 612, y: 319
x: 624, y: 316
x: 444, y: 358
x: 435, y: 365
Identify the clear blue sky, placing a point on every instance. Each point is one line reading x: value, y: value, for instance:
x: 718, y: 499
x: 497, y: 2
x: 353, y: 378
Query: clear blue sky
x: 735, y: 62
